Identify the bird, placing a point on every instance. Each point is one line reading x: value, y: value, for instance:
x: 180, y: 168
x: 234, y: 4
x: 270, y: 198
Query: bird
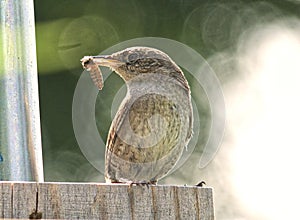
x: 154, y: 122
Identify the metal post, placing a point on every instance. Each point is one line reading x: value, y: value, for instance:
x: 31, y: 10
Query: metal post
x: 20, y: 136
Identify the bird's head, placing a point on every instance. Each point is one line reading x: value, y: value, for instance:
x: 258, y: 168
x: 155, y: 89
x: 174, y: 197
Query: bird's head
x: 134, y: 61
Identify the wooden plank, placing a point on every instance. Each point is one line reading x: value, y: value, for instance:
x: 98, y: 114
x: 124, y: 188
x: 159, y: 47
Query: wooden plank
x: 187, y: 205
x: 104, y: 201
x: 24, y: 196
x: 64, y: 200
x: 113, y: 201
x: 140, y: 202
x: 205, y: 201
x: 5, y: 200
x: 164, y: 202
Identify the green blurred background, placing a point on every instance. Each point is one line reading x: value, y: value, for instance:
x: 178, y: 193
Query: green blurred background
x: 67, y: 30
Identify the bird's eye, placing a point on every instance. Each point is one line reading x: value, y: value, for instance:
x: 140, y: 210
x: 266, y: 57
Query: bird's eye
x: 132, y: 57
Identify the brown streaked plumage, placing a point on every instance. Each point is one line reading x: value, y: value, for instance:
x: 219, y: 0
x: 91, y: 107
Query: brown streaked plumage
x: 154, y: 121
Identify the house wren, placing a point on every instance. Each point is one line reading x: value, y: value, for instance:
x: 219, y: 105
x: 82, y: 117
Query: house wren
x: 154, y: 121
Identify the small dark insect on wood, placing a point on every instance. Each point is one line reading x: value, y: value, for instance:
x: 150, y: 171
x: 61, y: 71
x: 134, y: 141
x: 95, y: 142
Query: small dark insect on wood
x: 95, y: 73
x: 201, y: 184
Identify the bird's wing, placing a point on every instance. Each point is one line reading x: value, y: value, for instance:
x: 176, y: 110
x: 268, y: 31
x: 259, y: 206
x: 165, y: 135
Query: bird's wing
x: 149, y: 128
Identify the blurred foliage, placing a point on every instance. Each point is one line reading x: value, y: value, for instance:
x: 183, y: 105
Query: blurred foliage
x: 68, y: 30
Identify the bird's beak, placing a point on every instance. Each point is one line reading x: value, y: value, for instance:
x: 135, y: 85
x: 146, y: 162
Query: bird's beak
x: 103, y: 60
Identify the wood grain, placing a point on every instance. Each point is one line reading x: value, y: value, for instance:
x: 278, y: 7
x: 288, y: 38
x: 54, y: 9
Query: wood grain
x: 104, y: 201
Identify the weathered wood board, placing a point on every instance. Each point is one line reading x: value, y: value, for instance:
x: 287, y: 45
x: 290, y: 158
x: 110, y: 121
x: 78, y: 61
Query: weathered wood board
x: 104, y: 201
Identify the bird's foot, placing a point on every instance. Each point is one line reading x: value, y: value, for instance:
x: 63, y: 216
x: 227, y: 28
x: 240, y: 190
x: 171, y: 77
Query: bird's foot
x: 143, y: 183
x: 131, y: 183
